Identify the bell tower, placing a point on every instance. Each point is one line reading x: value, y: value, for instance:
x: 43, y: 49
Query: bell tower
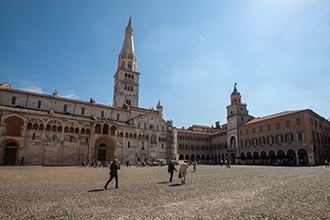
x: 126, y: 78
x: 237, y: 114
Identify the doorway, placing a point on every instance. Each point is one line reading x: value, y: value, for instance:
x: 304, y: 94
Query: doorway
x: 10, y: 156
x: 102, y: 155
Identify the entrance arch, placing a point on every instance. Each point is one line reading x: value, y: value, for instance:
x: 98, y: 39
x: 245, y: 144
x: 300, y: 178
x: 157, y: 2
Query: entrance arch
x: 291, y: 154
x: 303, y: 157
x: 104, y: 149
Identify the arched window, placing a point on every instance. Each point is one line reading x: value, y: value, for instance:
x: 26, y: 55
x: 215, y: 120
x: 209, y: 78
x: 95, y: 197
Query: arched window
x: 270, y: 140
x: 254, y: 141
x: 98, y: 129
x: 288, y: 137
x: 279, y: 139
x: 105, y: 129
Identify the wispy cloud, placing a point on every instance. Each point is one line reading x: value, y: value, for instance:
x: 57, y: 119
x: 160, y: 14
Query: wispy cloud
x: 70, y: 96
x: 33, y: 89
x: 202, y: 38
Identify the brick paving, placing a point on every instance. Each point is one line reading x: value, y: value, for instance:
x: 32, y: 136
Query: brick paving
x: 212, y: 192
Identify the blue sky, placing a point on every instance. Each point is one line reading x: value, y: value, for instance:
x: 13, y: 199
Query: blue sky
x: 190, y: 53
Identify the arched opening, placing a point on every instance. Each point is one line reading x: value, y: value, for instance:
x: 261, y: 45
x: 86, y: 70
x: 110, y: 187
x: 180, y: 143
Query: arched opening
x: 105, y: 129
x: 14, y: 126
x: 303, y: 157
x: 291, y: 155
x: 255, y: 157
x: 10, y: 153
x: 105, y: 149
x: 98, y: 128
x: 232, y: 142
x: 192, y: 157
x: 280, y: 154
x: 113, y: 130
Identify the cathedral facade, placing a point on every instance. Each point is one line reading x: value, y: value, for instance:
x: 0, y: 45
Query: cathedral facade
x: 40, y: 129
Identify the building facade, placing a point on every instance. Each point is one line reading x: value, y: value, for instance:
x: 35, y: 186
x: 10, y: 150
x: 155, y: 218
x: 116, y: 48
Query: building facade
x: 299, y: 137
x: 40, y: 129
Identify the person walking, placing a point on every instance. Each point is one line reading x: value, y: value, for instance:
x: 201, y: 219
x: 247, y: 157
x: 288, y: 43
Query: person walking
x: 227, y: 163
x: 171, y: 169
x: 183, y: 172
x: 195, y: 164
x: 114, y: 167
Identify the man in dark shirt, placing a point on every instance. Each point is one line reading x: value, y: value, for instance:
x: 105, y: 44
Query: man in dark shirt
x: 114, y: 167
x: 171, y: 169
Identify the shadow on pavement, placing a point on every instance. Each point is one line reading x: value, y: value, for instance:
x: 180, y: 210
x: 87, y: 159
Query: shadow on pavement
x: 176, y: 184
x: 163, y: 182
x: 96, y: 190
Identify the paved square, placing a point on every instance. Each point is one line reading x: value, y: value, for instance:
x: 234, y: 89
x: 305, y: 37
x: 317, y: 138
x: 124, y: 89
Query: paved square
x: 212, y: 192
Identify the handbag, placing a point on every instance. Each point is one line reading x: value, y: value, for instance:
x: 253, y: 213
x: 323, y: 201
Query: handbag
x: 179, y: 175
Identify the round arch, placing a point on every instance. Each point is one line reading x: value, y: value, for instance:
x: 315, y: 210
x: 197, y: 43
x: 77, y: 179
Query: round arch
x: 255, y: 155
x: 280, y: 154
x: 263, y: 154
x: 14, y: 126
x: 232, y: 141
x: 9, y: 150
x: 104, y: 149
x: 303, y: 157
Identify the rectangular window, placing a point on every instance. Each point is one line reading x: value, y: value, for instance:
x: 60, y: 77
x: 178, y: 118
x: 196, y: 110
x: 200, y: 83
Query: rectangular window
x: 298, y: 122
x: 277, y: 125
x: 102, y: 114
x: 253, y: 130
x: 118, y: 116
x: 39, y: 104
x: 287, y: 123
x: 145, y: 126
x: 82, y: 110
x: 65, y: 108
x: 269, y: 127
x: 260, y: 129
x: 139, y: 124
x: 13, y: 100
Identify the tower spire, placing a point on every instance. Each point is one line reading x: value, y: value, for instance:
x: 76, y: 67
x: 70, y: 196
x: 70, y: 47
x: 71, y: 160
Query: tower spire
x: 235, y: 95
x: 128, y: 45
x: 126, y: 86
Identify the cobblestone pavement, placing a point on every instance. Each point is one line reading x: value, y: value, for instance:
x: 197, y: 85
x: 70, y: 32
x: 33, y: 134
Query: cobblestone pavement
x: 212, y: 192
